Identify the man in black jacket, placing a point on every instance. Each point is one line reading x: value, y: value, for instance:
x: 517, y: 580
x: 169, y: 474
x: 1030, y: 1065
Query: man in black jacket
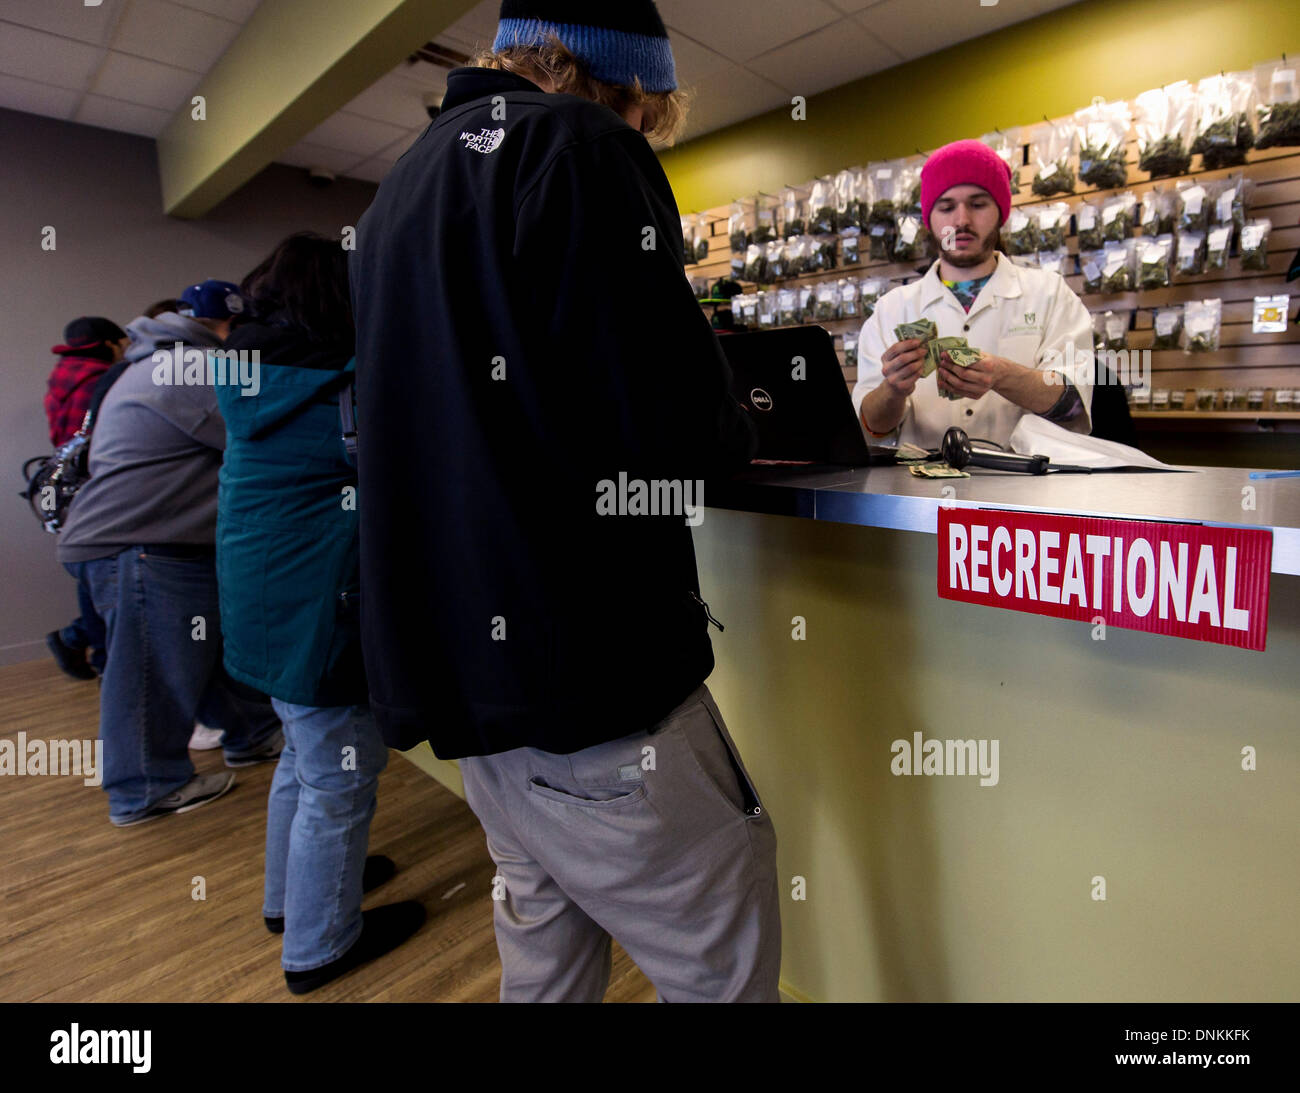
x: 526, y: 339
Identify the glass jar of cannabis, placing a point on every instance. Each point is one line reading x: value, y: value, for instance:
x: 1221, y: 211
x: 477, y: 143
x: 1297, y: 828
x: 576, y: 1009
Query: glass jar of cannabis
x: 1178, y: 399
x: 1205, y: 398
x: 1159, y: 399
x: 1232, y: 399
x: 1255, y: 399
x: 1285, y: 400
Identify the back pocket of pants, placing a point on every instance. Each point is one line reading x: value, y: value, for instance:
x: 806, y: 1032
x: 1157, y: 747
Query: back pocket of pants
x: 540, y: 788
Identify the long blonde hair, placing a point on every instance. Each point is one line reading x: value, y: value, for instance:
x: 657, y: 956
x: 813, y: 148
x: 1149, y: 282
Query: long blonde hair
x: 555, y: 64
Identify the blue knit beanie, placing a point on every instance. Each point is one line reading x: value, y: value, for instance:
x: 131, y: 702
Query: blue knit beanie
x: 620, y: 42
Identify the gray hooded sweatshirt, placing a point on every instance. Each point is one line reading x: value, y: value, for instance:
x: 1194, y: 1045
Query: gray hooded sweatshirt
x: 155, y: 451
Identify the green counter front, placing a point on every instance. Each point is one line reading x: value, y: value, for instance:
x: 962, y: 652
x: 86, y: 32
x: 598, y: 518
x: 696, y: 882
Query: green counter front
x: 1120, y: 761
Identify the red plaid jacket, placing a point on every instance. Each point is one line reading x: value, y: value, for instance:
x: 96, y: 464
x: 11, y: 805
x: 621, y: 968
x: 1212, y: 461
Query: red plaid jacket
x: 71, y: 386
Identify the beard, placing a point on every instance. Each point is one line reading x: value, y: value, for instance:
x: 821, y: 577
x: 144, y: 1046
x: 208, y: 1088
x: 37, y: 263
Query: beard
x: 969, y: 259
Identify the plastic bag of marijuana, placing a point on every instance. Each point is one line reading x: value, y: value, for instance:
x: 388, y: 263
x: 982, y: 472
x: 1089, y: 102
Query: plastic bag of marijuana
x: 850, y: 240
x: 1190, y: 254
x: 1087, y: 220
x: 807, y: 301
x: 1225, y: 109
x: 1050, y: 149
x: 822, y: 218
x: 1118, y: 215
x: 740, y: 226
x: 786, y: 302
x: 1053, y: 224
x: 1007, y: 144
x: 765, y: 227
x: 848, y: 204
x: 1165, y: 119
x: 880, y: 241
x: 1195, y: 203
x: 910, y: 242
x: 700, y: 238
x: 826, y: 307
x: 850, y: 349
x: 1157, y: 216
x: 1118, y: 268
x: 1054, y: 261
x: 825, y: 258
x: 848, y: 288
x: 756, y: 263
x: 1167, y: 327
x: 1278, y: 110
x: 1218, y: 244
x: 1153, y: 258
x: 794, y: 211
x: 1202, y: 320
x: 884, y: 195
x: 1103, y: 133
x: 1254, y: 244
x: 1110, y: 330
x: 871, y: 289
x: 795, y: 257
x: 768, y: 309
x: 1091, y: 264
x: 774, y: 257
x: 908, y: 195
x: 1231, y: 200
x: 1020, y: 233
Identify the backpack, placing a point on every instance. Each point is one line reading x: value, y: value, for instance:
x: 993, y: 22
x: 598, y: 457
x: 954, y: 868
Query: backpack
x: 57, y: 477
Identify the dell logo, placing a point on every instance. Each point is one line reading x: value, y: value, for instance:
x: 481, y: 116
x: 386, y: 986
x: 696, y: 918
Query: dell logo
x: 760, y: 399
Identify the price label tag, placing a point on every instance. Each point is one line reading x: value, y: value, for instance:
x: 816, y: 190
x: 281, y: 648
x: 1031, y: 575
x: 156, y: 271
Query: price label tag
x: 1271, y: 314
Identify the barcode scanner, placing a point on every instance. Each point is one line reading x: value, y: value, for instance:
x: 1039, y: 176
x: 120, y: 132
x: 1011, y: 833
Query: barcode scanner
x: 958, y: 453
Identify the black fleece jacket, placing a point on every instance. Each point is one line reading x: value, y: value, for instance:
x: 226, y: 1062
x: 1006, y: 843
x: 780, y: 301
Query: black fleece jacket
x: 525, y: 331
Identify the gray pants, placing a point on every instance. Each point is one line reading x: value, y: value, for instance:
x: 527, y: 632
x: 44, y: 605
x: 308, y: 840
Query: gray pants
x: 651, y: 838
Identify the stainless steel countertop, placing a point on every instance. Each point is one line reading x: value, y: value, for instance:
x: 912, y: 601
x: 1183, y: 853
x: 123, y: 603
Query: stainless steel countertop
x: 890, y: 497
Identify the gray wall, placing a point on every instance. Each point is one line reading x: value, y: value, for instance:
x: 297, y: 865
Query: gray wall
x: 116, y: 254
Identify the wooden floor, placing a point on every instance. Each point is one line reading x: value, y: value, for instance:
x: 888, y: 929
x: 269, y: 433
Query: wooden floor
x: 94, y: 913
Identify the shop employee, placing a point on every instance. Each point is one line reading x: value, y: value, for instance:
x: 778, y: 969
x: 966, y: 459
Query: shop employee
x: 1022, y: 319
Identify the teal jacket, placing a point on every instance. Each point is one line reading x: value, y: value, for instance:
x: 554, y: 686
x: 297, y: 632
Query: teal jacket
x: 288, y: 565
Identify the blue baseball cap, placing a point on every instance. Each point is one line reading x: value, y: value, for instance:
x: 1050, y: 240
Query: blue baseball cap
x: 212, y: 300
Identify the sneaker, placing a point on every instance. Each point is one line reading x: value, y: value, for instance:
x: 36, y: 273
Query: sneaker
x: 204, y: 738
x: 195, y: 793
x: 72, y: 662
x: 268, y: 752
x: 379, y: 869
x: 382, y: 930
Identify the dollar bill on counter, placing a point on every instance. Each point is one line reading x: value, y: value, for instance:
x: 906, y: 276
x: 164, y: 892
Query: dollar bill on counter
x: 911, y: 453
x: 935, y: 470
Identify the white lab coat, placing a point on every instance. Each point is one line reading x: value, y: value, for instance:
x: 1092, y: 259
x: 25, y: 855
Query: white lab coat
x: 1020, y: 314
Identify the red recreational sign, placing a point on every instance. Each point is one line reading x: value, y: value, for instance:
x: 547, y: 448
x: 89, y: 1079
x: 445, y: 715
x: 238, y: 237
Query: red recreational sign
x: 1187, y: 580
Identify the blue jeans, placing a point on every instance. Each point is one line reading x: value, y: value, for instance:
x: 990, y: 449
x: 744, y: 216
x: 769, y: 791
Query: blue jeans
x: 163, y: 671
x: 317, y: 827
x: 87, y: 630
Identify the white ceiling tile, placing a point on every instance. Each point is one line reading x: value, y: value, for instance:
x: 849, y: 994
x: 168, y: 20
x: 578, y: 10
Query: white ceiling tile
x: 826, y: 58
x: 731, y: 96
x: 741, y: 29
x: 479, y: 23
x: 37, y: 98
x: 133, y: 79
x: 125, y: 117
x: 393, y: 99
x: 425, y: 74
x: 393, y: 152
x: 46, y: 58
x: 362, y: 137
x: 237, y: 11
x: 694, y: 62
x: 67, y: 19
x: 916, y: 28
x: 373, y: 170
x: 175, y: 35
x: 303, y: 154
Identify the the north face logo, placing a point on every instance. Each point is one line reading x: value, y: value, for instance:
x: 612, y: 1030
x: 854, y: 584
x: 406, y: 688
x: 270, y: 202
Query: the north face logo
x: 485, y: 140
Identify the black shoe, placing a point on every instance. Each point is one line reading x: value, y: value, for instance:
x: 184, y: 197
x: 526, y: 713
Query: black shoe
x: 382, y: 930
x: 379, y: 869
x: 71, y: 661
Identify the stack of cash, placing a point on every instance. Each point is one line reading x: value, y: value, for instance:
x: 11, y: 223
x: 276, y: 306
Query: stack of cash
x: 924, y: 331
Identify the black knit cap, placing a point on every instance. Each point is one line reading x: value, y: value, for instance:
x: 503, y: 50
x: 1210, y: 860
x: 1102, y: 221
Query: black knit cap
x: 621, y: 41
x: 92, y: 330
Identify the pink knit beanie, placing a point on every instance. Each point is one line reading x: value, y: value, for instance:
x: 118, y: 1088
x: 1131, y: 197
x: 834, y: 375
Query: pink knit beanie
x: 965, y: 162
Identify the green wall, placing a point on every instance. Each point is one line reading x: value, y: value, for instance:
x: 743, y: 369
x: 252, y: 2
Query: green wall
x: 1051, y: 65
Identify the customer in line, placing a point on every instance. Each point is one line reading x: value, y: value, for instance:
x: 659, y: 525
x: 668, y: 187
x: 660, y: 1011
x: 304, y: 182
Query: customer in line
x: 142, y: 533
x: 559, y: 653
x: 288, y: 572
x: 91, y: 346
